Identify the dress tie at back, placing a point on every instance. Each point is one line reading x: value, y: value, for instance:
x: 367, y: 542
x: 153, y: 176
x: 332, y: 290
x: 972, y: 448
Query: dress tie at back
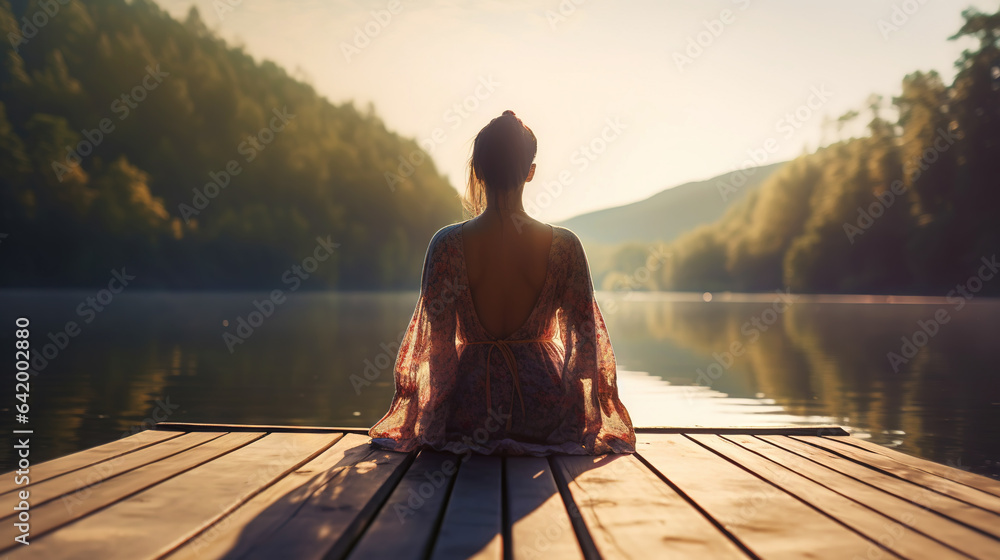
x: 508, y: 355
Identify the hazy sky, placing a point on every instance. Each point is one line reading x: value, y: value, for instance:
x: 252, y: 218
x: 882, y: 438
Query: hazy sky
x: 629, y: 79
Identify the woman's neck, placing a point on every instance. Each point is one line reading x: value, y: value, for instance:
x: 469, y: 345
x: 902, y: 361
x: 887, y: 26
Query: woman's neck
x: 505, y: 208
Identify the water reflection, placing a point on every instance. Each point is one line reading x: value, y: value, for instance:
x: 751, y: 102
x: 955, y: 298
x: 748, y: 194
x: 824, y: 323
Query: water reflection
x: 326, y: 359
x: 826, y: 361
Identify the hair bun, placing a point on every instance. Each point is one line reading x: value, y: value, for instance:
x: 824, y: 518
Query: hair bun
x: 508, y: 112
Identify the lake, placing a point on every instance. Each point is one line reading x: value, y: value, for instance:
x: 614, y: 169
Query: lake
x: 762, y: 359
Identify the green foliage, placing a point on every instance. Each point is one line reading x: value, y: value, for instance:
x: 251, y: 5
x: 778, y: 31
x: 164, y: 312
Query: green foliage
x: 322, y: 174
x: 909, y: 208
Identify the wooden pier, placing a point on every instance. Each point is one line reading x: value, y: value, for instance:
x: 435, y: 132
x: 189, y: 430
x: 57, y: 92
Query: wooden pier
x: 193, y: 491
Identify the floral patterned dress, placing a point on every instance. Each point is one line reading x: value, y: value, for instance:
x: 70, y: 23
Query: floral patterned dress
x: 548, y: 387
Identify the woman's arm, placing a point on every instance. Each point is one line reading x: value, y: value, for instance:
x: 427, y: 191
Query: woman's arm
x: 590, y: 373
x: 426, y: 361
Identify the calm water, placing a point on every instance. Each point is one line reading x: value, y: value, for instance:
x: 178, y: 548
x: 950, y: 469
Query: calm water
x: 815, y: 362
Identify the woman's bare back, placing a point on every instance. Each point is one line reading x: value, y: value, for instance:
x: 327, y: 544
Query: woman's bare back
x: 506, y: 270
x: 526, y: 333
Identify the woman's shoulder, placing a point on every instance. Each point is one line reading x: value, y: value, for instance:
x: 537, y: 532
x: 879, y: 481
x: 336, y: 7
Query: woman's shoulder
x: 443, y: 254
x: 443, y: 232
x: 566, y: 237
x: 564, y: 232
x: 443, y: 235
x: 562, y: 236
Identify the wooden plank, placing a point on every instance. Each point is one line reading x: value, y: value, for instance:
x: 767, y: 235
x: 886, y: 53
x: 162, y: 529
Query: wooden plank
x: 753, y: 510
x: 324, y: 520
x: 406, y: 525
x: 756, y: 430
x: 974, y: 517
x: 540, y: 525
x: 81, y: 480
x: 228, y: 536
x: 198, y: 427
x: 629, y: 512
x: 87, y: 457
x: 763, y: 430
x: 937, y: 483
x: 751, y: 430
x: 974, y: 480
x: 928, y: 522
x: 473, y: 521
x: 153, y: 522
x: 72, y: 507
x: 878, y: 528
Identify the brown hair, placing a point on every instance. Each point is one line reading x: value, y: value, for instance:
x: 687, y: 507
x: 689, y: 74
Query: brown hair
x: 501, y: 159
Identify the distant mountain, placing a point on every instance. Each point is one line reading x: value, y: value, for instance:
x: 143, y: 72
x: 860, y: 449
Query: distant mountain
x: 669, y: 213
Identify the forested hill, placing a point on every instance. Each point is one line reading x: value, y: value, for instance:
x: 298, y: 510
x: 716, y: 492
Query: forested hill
x: 130, y: 139
x: 670, y: 212
x: 911, y: 207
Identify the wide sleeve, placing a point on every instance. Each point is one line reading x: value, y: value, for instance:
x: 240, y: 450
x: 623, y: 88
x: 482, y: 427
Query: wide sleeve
x: 589, y: 370
x: 427, y: 361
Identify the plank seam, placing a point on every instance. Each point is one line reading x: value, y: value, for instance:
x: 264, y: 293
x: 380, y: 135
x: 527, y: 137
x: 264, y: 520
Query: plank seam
x: 583, y: 536
x: 747, y: 430
x: 505, y: 520
x: 795, y: 496
x: 911, y: 502
x: 718, y: 525
x: 200, y: 427
x: 926, y: 488
x: 117, y: 474
x: 229, y: 511
x: 359, y: 530
x: 129, y: 495
x: 735, y: 430
x: 439, y: 521
x: 847, y: 441
x: 141, y: 447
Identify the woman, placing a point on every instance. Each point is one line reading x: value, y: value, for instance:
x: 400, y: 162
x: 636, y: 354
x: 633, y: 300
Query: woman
x: 507, y: 351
